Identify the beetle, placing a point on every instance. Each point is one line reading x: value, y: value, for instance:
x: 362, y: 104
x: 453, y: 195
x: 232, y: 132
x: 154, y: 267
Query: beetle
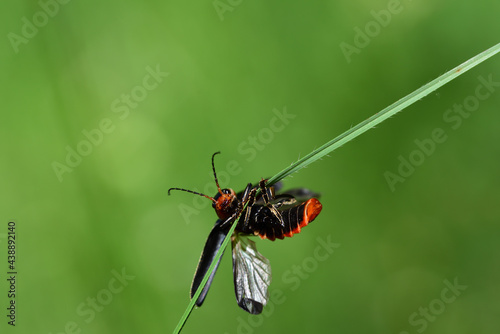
x: 267, y: 214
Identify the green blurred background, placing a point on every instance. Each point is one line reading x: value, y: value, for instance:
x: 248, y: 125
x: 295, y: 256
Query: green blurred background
x: 228, y: 71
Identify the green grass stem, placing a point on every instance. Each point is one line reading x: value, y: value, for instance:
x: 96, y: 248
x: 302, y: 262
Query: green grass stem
x: 346, y: 137
x: 384, y: 114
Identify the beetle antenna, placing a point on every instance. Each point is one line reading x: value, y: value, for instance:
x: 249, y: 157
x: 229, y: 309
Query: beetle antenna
x: 197, y: 193
x: 215, y: 174
x: 192, y: 192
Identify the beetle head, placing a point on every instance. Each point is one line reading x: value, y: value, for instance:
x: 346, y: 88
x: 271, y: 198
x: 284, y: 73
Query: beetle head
x: 225, y: 201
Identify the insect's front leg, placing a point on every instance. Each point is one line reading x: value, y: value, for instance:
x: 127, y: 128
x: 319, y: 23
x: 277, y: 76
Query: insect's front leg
x: 246, y: 193
x: 247, y: 197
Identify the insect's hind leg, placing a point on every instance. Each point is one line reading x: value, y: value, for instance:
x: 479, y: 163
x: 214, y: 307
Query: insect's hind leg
x: 284, y: 199
x: 268, y: 196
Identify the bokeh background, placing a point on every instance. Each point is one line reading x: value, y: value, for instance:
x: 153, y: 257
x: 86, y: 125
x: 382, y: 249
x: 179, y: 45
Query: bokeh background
x: 230, y: 70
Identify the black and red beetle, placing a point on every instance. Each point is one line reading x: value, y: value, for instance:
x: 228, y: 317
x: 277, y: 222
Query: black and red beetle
x: 269, y: 215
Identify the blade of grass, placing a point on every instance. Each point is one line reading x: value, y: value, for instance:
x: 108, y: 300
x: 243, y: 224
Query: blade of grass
x: 384, y: 114
x: 218, y: 255
x: 344, y: 138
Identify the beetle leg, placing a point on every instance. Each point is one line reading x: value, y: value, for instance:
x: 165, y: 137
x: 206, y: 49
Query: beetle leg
x: 248, y: 197
x: 288, y: 200
x: 251, y: 202
x: 268, y: 196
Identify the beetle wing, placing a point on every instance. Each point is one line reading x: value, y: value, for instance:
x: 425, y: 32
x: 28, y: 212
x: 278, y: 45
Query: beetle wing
x: 214, y: 241
x: 300, y: 194
x: 252, y: 275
